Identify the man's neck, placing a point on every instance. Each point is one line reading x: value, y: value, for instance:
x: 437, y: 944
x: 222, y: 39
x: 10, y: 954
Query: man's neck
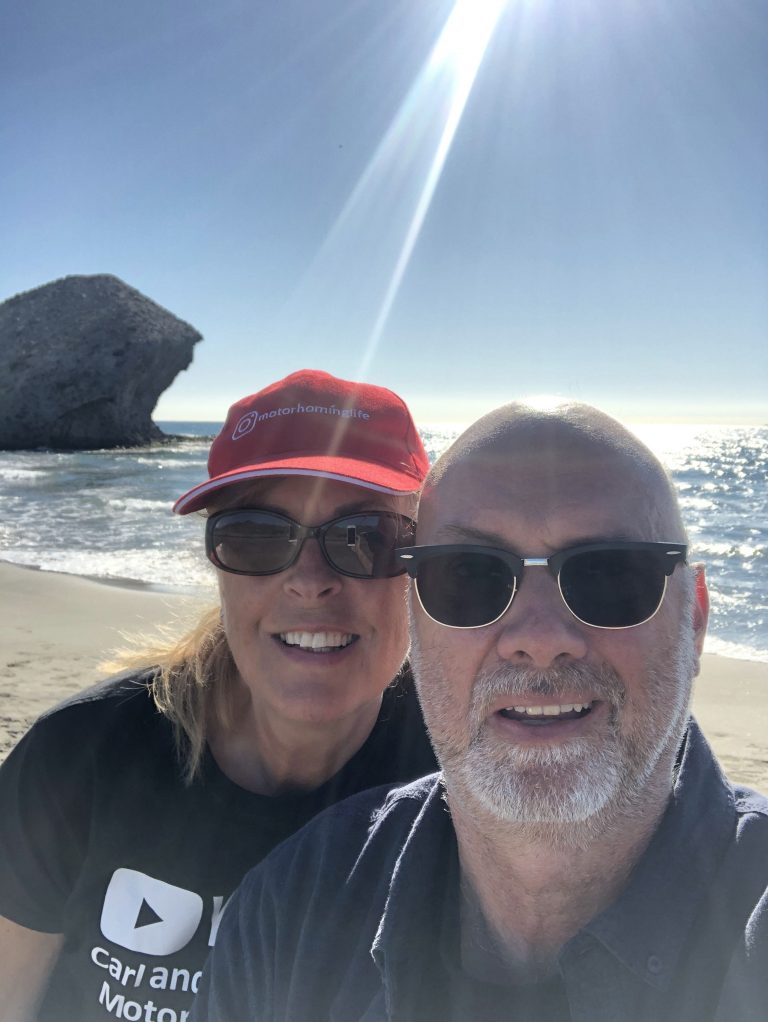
x: 537, y: 886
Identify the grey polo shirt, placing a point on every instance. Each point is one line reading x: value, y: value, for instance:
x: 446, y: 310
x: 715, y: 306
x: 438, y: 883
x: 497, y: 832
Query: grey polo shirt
x: 356, y: 918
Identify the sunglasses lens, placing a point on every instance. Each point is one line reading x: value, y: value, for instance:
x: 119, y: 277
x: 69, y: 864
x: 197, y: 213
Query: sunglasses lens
x: 363, y: 545
x: 257, y: 542
x: 253, y: 542
x: 464, y: 590
x: 613, y: 588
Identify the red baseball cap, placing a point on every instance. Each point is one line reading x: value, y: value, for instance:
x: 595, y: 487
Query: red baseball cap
x: 312, y: 423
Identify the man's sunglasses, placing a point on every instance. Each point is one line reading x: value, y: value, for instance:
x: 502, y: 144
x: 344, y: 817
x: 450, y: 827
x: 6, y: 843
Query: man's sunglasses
x: 606, y: 585
x: 249, y: 541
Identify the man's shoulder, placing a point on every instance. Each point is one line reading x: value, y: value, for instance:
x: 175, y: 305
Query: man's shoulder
x: 749, y: 854
x: 749, y: 847
x: 751, y: 803
x: 366, y: 819
x: 740, y: 899
x: 359, y: 838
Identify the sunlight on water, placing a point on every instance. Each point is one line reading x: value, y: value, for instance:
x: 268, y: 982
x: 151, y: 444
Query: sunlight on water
x: 107, y: 514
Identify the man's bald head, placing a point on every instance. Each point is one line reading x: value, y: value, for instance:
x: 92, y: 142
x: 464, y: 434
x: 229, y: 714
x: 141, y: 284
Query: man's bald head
x: 559, y: 447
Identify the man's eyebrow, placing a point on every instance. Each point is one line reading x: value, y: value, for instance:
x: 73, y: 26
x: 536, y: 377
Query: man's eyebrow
x: 459, y: 532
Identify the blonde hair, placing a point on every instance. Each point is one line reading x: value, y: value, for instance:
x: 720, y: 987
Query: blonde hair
x: 192, y: 683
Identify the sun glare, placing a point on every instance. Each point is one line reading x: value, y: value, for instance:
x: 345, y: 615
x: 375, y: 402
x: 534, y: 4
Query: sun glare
x: 466, y: 35
x: 458, y: 54
x: 387, y: 208
x: 544, y: 402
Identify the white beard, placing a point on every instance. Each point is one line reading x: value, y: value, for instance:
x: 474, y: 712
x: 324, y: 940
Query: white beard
x: 586, y: 781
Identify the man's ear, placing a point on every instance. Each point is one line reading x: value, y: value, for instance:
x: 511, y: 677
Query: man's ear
x: 700, y: 610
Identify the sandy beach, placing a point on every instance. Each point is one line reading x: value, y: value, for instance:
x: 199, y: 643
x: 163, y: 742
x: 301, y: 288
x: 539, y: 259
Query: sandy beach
x: 55, y: 630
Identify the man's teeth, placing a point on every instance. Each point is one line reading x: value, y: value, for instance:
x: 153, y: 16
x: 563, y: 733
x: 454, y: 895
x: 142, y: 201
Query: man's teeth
x: 322, y: 642
x: 550, y: 711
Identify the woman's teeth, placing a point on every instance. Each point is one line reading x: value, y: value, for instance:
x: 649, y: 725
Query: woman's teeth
x: 318, y: 642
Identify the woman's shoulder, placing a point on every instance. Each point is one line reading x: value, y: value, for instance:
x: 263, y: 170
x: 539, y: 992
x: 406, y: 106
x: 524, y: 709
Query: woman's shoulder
x: 106, y: 738
x: 102, y: 716
x: 124, y: 693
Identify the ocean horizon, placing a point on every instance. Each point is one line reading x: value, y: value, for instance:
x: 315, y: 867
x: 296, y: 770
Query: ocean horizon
x: 107, y: 514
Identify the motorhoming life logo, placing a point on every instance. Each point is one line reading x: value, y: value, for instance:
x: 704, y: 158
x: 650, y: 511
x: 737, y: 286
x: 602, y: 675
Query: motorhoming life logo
x: 250, y: 420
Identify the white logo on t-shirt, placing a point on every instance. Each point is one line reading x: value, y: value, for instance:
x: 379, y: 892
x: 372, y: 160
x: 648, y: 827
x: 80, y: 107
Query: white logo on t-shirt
x: 148, y: 915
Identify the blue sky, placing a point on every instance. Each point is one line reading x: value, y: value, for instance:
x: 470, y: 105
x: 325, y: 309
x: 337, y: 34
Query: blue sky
x: 294, y: 179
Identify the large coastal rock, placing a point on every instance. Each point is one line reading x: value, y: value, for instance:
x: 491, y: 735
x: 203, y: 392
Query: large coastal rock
x: 83, y: 361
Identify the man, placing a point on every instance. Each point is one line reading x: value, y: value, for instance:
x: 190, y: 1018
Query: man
x: 581, y: 857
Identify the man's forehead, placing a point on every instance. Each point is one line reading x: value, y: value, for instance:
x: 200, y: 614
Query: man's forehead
x: 552, y: 473
x: 553, y: 522
x: 567, y: 497
x: 573, y: 463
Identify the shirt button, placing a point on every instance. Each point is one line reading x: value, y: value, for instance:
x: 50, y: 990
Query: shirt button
x: 654, y: 965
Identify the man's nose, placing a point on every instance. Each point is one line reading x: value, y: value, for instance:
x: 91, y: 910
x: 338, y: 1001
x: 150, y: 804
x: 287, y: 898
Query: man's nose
x: 311, y: 577
x: 538, y: 630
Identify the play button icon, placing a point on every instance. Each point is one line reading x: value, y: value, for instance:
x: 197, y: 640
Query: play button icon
x: 148, y: 915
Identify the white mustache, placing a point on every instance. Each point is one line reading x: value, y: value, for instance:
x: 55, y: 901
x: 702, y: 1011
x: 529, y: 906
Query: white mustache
x: 578, y: 680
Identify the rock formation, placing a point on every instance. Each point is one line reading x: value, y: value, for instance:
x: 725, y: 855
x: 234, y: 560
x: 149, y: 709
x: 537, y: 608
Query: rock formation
x: 83, y: 361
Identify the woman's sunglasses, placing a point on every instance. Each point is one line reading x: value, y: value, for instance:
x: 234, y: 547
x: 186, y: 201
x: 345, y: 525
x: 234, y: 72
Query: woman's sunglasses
x: 606, y: 585
x: 249, y: 541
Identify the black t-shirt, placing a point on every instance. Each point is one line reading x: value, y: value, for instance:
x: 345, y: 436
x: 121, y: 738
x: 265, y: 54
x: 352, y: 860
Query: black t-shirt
x: 101, y: 840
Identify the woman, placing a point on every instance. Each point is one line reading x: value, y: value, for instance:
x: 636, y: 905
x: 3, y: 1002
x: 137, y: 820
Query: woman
x: 129, y: 813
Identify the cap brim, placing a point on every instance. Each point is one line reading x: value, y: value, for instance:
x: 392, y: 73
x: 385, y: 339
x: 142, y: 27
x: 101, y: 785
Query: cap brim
x: 379, y: 478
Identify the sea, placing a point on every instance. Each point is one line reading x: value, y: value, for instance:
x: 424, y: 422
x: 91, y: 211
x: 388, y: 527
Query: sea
x: 107, y: 515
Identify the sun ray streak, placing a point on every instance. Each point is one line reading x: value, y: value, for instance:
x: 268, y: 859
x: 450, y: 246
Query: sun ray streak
x: 456, y: 109
x: 386, y: 211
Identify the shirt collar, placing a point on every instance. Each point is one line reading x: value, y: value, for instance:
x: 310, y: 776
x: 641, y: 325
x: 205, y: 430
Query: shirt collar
x: 645, y: 928
x: 417, y: 877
